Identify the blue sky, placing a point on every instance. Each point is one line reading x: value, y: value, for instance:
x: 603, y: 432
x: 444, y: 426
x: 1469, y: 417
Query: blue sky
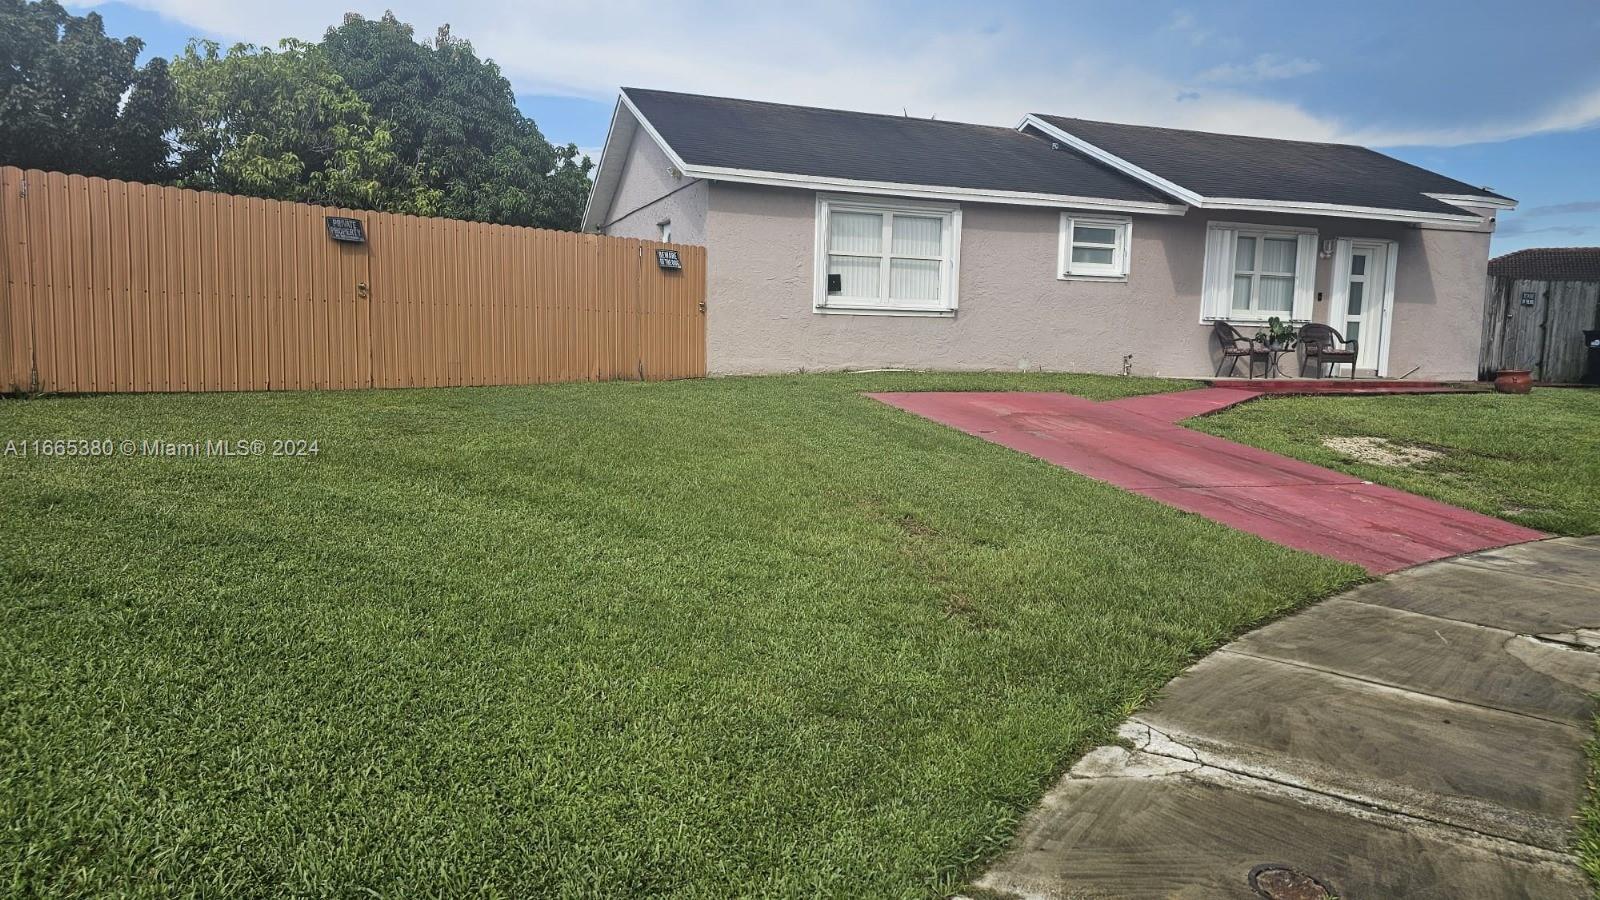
x: 1491, y: 93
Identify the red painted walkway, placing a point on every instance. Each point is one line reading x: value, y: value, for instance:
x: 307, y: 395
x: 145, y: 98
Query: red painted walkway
x: 1135, y: 443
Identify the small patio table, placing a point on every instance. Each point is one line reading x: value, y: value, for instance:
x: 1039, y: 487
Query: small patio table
x: 1274, y: 354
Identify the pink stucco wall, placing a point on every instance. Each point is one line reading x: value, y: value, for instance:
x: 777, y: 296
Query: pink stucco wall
x: 650, y: 191
x: 1014, y: 313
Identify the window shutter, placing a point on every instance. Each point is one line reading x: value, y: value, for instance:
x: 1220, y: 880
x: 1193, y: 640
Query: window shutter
x: 1305, y: 278
x: 1216, y: 290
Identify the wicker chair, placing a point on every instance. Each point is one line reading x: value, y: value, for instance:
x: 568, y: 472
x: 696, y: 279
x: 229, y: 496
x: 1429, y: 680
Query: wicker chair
x: 1235, y: 347
x: 1325, y: 345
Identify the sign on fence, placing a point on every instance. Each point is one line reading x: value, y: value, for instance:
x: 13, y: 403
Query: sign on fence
x: 344, y: 228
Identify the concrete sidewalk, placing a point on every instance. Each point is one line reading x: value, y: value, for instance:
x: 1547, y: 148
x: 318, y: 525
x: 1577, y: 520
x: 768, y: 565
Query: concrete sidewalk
x: 1421, y: 736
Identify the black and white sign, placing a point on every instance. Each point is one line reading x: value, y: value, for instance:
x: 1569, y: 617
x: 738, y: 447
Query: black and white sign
x: 1528, y: 298
x: 668, y: 259
x: 342, y: 228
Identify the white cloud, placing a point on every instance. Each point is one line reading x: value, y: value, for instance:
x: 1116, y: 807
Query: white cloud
x: 976, y: 68
x: 1565, y: 114
x: 1266, y: 67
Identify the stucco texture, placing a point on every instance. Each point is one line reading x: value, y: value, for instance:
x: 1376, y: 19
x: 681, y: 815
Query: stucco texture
x: 650, y: 191
x: 1014, y: 313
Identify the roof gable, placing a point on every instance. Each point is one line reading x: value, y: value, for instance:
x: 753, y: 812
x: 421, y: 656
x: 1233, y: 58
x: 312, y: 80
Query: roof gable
x: 724, y: 137
x: 1211, y: 169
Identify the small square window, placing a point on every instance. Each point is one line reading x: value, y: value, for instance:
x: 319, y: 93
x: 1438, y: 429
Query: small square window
x: 1094, y: 247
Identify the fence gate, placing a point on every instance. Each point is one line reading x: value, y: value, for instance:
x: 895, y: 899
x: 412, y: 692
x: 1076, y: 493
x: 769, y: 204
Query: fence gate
x: 1538, y: 325
x: 109, y: 286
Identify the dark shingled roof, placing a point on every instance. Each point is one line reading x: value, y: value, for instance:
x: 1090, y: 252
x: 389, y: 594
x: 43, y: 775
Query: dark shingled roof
x: 828, y: 143
x: 1235, y: 166
x: 1549, y: 264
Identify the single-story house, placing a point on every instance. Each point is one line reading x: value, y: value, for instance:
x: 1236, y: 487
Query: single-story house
x: 839, y: 240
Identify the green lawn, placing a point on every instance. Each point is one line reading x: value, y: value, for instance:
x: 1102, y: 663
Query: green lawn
x: 1534, y: 459
x: 716, y: 638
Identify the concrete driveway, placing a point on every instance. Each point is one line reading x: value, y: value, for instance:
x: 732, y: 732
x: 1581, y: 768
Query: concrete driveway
x: 1135, y: 443
x: 1421, y: 736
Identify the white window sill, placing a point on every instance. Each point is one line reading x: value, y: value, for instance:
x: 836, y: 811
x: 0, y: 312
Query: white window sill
x: 883, y: 311
x: 1112, y: 279
x: 1262, y: 318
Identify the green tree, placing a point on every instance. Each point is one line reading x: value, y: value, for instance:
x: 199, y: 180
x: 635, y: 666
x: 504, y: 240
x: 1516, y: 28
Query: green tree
x: 74, y: 100
x: 455, y: 118
x: 282, y: 124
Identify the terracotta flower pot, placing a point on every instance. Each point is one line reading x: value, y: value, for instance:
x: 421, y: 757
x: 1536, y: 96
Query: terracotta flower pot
x: 1513, y: 381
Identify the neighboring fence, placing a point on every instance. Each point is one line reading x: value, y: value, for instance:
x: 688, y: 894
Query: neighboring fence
x: 113, y: 286
x: 1538, y: 325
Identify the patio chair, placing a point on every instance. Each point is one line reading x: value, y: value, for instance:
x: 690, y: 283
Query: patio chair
x: 1325, y: 345
x: 1235, y: 347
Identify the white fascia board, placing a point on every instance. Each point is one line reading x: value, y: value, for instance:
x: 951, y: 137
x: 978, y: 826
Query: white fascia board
x: 1340, y: 211
x: 1472, y: 200
x: 672, y: 155
x: 1112, y: 160
x: 1242, y: 203
x: 601, y: 185
x: 931, y: 192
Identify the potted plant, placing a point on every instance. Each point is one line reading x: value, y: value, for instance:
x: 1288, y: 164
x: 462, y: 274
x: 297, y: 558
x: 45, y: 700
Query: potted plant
x: 1513, y: 381
x: 1277, y: 335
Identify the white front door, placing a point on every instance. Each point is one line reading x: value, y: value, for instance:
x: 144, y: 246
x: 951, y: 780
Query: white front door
x: 1362, y: 301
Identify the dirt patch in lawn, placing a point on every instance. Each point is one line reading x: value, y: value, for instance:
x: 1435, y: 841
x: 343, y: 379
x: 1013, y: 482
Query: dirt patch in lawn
x: 1380, y: 451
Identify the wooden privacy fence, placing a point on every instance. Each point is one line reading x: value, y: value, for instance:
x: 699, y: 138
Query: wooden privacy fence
x: 115, y: 286
x: 1538, y: 325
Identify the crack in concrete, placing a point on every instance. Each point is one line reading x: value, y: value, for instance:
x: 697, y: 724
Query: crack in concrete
x: 1585, y: 639
x: 1184, y: 761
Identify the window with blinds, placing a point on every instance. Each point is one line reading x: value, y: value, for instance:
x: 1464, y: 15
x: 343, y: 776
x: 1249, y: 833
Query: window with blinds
x: 889, y: 258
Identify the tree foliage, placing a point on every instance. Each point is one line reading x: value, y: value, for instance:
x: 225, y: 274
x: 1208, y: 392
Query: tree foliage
x: 367, y: 118
x: 73, y: 99
x: 455, y: 118
x: 282, y: 124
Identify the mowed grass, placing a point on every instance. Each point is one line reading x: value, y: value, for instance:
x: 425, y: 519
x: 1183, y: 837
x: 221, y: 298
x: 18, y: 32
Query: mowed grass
x: 1532, y: 459
x: 742, y: 637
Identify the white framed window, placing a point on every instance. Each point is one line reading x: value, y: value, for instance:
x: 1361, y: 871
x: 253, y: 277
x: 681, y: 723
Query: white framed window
x: 1253, y: 273
x: 887, y: 257
x: 1094, y: 246
x: 1264, y: 274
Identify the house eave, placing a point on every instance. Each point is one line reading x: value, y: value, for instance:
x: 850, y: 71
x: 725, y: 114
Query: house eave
x: 605, y: 179
x: 933, y: 192
x: 897, y: 189
x: 1297, y: 207
x: 1474, y: 200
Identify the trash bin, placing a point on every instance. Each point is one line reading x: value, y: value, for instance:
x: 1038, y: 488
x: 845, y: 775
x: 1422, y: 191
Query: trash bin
x: 1591, y: 372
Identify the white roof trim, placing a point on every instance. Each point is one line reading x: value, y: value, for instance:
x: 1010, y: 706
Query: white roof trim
x: 932, y: 192
x: 590, y: 213
x: 1245, y: 203
x: 1474, y: 200
x: 1340, y: 210
x: 1112, y: 160
x: 857, y: 186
